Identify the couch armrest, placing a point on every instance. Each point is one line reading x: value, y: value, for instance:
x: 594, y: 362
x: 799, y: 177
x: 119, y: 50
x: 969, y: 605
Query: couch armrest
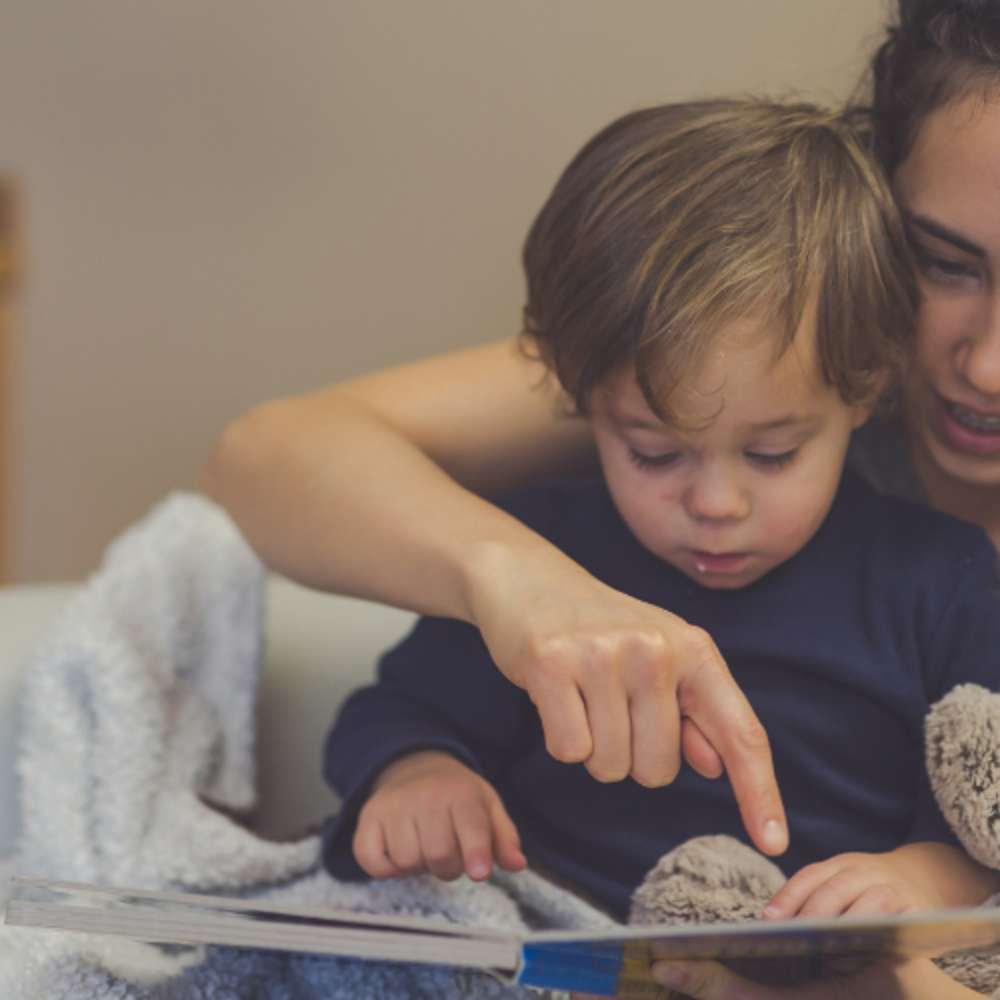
x: 319, y: 648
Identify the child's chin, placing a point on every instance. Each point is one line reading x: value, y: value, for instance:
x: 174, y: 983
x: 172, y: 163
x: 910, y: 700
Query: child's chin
x: 724, y: 584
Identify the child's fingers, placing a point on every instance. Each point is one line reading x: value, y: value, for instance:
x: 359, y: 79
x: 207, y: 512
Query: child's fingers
x: 370, y: 850
x: 794, y: 894
x: 876, y: 900
x: 439, y: 844
x: 474, y: 832
x: 506, y: 839
x: 835, y: 896
x: 402, y: 842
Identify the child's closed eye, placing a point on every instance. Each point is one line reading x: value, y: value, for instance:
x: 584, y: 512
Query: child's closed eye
x: 772, y: 460
x: 644, y: 461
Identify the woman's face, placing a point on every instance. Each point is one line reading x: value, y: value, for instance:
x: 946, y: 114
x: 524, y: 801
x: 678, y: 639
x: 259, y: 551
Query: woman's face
x: 949, y: 188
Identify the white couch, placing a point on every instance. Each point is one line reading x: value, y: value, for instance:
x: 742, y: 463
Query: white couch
x: 319, y: 647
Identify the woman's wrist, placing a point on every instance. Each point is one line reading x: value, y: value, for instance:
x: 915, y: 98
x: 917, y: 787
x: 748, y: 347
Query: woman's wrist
x: 496, y: 573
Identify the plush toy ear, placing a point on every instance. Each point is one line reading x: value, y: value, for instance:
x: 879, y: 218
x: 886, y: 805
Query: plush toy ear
x: 963, y: 761
x: 707, y: 880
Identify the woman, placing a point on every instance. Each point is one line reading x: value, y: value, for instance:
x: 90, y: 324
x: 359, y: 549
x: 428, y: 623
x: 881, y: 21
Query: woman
x: 315, y: 482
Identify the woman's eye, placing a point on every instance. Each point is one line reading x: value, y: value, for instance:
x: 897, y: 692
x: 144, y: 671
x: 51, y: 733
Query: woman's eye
x: 653, y: 461
x: 771, y: 460
x: 944, y: 268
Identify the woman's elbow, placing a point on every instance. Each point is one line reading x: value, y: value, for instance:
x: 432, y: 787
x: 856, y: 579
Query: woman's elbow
x: 249, y: 445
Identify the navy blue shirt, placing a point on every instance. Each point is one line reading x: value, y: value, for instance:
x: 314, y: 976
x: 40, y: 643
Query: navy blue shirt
x: 841, y: 650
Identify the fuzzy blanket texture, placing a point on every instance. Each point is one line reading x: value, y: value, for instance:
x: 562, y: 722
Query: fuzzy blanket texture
x: 137, y: 745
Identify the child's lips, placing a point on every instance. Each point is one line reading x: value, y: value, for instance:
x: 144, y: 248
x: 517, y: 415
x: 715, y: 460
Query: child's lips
x: 719, y: 562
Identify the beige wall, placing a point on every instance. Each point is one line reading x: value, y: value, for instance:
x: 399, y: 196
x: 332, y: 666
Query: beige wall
x: 226, y: 200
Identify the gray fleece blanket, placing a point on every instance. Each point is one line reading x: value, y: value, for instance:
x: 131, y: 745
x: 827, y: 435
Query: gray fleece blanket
x: 137, y: 745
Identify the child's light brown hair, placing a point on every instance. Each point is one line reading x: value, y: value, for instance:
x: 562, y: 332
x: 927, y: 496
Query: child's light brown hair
x: 677, y: 220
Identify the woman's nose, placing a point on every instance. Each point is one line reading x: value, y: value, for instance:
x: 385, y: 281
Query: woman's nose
x: 979, y: 355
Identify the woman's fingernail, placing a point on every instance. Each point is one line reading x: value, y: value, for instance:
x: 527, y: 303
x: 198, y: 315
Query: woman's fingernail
x: 771, y: 913
x: 775, y: 837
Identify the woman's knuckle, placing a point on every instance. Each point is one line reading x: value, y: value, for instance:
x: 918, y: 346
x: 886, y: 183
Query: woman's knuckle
x: 652, y: 675
x: 697, y: 643
x: 752, y: 736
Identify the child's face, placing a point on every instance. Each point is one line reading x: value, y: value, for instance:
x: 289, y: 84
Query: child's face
x: 748, y: 487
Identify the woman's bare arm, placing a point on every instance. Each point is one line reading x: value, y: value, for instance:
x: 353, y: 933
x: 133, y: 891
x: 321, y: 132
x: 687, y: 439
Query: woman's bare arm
x: 372, y: 488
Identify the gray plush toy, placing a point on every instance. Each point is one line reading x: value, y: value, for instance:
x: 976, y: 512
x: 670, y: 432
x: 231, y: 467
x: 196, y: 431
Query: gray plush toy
x: 716, y: 879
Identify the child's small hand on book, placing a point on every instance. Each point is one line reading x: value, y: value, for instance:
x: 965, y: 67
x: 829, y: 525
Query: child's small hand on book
x: 428, y: 812
x: 854, y: 884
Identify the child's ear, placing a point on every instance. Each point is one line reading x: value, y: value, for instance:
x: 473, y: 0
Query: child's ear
x: 860, y: 414
x: 862, y: 411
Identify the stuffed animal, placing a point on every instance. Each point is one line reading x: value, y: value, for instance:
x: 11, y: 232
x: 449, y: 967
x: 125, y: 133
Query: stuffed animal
x: 716, y: 879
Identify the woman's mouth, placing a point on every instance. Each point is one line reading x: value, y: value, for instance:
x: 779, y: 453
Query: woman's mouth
x: 969, y: 430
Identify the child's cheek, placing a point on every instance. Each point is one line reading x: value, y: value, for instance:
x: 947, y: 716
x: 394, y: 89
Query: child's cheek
x: 792, y: 519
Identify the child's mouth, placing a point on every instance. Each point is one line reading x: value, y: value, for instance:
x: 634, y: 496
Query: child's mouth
x: 719, y: 562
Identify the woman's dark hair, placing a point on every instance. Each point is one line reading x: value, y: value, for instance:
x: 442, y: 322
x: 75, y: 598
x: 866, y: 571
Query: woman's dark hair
x: 939, y: 51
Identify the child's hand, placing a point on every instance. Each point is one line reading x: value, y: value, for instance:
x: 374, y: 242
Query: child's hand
x: 428, y: 812
x: 853, y: 884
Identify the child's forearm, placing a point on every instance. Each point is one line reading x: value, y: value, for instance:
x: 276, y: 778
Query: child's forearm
x: 946, y: 875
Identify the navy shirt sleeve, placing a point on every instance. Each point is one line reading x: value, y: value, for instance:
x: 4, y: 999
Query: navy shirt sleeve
x: 437, y: 690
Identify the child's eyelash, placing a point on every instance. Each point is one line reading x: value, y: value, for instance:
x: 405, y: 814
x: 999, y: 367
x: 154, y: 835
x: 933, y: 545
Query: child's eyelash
x: 772, y: 461
x: 662, y: 461
x: 653, y: 461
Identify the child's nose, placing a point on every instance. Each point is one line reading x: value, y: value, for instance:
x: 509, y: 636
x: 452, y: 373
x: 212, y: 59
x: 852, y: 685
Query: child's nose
x: 716, y: 497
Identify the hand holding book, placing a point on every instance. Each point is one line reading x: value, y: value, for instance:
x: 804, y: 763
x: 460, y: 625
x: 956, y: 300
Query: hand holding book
x: 614, y: 962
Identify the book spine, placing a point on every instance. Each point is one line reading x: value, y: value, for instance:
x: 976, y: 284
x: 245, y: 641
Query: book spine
x: 609, y: 968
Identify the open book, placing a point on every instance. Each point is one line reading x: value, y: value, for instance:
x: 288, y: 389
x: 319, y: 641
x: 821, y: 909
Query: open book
x: 606, y: 962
